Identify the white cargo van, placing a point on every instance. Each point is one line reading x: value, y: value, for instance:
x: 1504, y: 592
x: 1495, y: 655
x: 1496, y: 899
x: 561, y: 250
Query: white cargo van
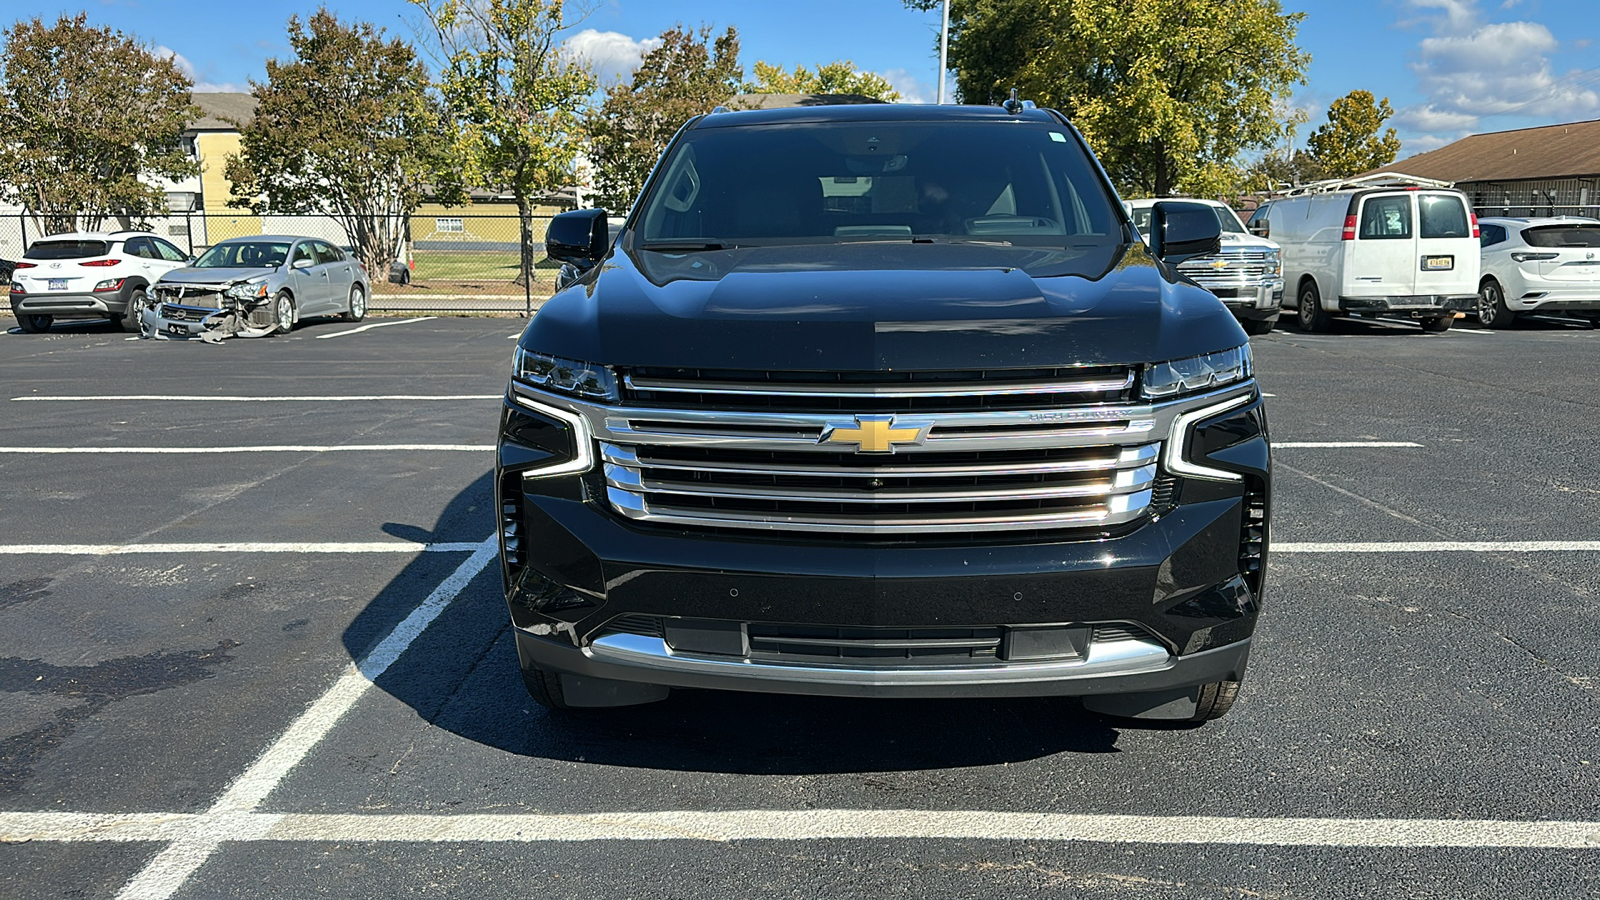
x: 1381, y: 245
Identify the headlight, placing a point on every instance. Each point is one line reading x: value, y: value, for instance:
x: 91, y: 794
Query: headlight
x: 1275, y: 262
x: 1197, y: 373
x: 247, y: 290
x: 565, y: 376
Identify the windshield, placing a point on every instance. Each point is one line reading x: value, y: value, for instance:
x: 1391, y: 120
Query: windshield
x: 1229, y: 220
x: 244, y: 255
x: 1006, y: 182
x: 1225, y: 217
x: 66, y: 249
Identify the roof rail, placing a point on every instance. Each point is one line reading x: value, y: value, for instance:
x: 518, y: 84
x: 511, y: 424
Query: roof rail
x: 1375, y: 180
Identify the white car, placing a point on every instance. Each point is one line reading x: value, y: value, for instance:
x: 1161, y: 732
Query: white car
x: 1539, y: 265
x: 1246, y: 274
x: 90, y: 275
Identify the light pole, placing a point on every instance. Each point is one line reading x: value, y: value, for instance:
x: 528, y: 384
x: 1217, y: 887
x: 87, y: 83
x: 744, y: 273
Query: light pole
x: 944, y: 49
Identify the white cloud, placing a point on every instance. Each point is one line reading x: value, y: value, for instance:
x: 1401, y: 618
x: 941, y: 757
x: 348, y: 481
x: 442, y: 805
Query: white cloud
x: 1470, y: 70
x: 612, y: 54
x: 200, y: 86
x: 912, y: 89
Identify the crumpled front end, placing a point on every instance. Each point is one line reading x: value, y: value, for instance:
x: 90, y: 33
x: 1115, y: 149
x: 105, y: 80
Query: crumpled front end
x: 206, y: 312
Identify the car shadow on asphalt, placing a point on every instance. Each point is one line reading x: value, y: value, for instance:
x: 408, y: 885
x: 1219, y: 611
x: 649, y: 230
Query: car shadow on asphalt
x: 461, y: 675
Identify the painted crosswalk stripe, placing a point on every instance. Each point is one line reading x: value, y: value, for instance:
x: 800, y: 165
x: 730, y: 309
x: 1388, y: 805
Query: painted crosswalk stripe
x: 181, y: 398
x: 349, y: 547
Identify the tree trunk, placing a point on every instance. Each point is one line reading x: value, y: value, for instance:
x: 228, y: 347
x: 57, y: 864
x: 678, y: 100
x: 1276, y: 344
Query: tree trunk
x: 1163, y: 185
x: 525, y: 231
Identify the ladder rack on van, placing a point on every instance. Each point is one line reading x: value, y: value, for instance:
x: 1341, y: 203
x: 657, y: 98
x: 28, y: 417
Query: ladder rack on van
x: 1376, y: 180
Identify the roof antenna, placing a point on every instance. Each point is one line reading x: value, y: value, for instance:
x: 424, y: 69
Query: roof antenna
x: 1012, y: 106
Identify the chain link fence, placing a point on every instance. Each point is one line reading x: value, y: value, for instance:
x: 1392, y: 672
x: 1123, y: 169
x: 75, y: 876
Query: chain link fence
x: 451, y: 262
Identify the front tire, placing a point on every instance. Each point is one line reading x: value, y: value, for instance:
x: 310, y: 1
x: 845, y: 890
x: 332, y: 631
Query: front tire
x: 34, y: 323
x: 1438, y: 324
x: 1258, y: 326
x: 356, y: 309
x: 1308, y: 306
x: 129, y: 320
x: 1492, y: 310
x: 282, y: 313
x: 545, y: 688
x: 1215, y: 700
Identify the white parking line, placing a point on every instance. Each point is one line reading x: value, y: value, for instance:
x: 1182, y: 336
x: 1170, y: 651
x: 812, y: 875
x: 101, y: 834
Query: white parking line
x: 1439, y: 547
x: 330, y: 398
x: 279, y: 448
x: 243, y: 547
x: 786, y: 825
x: 195, y: 841
x: 323, y: 337
x: 1340, y: 444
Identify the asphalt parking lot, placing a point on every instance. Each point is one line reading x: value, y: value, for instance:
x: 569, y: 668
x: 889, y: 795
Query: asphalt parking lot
x: 201, y: 542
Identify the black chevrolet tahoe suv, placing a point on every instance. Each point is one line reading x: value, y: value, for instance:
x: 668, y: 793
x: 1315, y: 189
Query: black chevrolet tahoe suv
x: 884, y: 401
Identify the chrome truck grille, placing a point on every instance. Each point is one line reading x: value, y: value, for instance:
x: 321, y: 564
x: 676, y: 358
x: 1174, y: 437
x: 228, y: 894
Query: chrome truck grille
x: 1072, y: 465
x: 1230, y: 269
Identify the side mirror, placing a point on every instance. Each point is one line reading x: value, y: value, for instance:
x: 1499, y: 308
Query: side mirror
x: 1260, y: 229
x: 579, y: 238
x: 1180, y: 230
x: 301, y: 264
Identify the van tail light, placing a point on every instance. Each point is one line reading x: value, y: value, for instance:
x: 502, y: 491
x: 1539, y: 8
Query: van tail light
x: 100, y: 263
x: 1473, y: 218
x: 1349, y: 229
x: 25, y: 265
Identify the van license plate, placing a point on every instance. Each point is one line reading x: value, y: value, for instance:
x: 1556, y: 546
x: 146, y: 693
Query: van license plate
x: 58, y: 284
x: 1438, y: 263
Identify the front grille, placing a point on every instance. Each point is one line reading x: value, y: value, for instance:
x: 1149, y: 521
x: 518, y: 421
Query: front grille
x: 871, y: 392
x: 184, y: 313
x: 1231, y: 269
x: 891, y: 464
x: 868, y: 646
x: 911, y: 493
x: 648, y: 626
x: 513, y: 549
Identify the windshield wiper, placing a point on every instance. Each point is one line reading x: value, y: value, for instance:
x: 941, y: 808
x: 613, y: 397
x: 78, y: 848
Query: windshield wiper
x: 994, y: 242
x: 687, y: 246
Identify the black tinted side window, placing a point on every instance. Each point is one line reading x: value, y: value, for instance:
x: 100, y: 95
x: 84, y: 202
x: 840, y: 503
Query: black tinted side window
x: 1386, y: 218
x: 327, y: 254
x: 1489, y: 235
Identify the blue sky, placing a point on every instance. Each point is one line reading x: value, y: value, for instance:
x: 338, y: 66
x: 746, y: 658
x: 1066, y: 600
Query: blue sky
x: 1450, y: 67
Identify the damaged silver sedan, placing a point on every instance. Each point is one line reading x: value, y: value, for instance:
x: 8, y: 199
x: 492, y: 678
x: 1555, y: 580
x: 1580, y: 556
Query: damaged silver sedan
x: 256, y: 287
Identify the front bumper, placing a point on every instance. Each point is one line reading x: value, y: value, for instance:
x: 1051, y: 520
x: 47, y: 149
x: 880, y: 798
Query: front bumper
x: 1167, y: 602
x: 192, y: 325
x: 1417, y: 306
x: 97, y: 304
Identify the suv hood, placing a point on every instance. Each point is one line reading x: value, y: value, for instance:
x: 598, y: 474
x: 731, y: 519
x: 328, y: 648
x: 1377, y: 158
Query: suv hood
x: 879, y: 307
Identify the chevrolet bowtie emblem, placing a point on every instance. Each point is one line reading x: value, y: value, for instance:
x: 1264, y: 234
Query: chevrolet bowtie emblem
x: 877, y: 434
x: 1219, y: 264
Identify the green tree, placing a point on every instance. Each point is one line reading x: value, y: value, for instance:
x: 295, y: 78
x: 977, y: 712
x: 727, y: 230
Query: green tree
x: 1348, y: 143
x: 515, y: 100
x: 84, y: 112
x: 840, y: 77
x: 345, y: 127
x: 1169, y: 92
x: 1278, y: 168
x: 690, y: 74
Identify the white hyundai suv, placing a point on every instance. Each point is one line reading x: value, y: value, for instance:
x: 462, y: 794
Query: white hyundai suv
x: 89, y: 275
x: 1539, y: 265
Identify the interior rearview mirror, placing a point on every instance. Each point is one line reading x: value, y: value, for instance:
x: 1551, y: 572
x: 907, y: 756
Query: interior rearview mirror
x: 1181, y: 229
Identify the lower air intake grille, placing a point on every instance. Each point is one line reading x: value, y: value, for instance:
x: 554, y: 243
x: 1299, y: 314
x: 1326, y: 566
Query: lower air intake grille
x: 1253, y: 542
x: 866, y: 646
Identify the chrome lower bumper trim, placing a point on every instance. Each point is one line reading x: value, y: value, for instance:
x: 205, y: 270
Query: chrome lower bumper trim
x: 1105, y: 658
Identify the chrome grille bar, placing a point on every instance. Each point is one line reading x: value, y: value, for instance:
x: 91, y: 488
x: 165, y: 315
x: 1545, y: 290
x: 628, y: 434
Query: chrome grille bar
x: 898, y: 391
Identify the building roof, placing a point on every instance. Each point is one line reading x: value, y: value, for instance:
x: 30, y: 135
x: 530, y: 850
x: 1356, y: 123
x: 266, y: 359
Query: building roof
x: 1549, y: 151
x: 223, y: 111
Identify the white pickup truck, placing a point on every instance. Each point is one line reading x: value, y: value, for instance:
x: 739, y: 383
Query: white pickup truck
x: 1246, y: 274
